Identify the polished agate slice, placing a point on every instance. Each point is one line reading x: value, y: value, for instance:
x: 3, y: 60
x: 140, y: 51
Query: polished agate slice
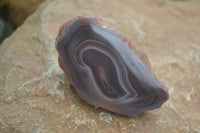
x: 105, y: 69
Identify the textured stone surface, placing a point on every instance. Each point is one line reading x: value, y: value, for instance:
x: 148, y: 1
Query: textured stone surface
x: 35, y: 95
x: 21, y: 9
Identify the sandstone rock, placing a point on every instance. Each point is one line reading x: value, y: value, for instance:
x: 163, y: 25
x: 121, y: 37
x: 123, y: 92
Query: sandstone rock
x: 35, y: 95
x: 21, y: 9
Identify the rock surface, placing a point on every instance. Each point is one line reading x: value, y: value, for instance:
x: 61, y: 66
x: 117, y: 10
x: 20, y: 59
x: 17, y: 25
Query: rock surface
x: 21, y: 9
x: 35, y: 95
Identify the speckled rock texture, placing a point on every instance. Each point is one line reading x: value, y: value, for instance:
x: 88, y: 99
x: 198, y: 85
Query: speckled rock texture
x: 35, y: 94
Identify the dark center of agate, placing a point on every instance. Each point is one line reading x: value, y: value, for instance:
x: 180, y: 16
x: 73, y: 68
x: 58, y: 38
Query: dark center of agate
x: 105, y: 73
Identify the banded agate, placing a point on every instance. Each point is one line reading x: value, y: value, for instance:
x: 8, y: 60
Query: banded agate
x: 106, y: 69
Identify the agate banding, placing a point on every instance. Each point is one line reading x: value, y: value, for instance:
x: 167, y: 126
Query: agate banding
x: 105, y: 69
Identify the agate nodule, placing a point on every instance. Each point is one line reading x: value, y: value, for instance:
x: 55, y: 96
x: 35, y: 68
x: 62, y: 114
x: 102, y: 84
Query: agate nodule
x: 105, y: 69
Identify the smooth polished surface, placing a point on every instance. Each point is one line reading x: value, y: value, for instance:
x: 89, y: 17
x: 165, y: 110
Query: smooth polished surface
x: 104, y: 70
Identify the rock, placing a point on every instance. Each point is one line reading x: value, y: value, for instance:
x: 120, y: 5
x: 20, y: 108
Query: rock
x: 35, y: 95
x: 21, y: 9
